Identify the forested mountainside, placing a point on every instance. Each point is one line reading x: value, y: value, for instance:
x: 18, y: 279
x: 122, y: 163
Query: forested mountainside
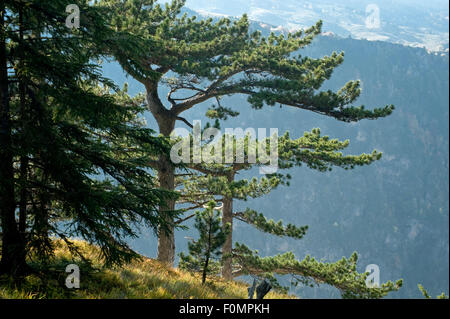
x: 393, y: 213
x: 409, y: 22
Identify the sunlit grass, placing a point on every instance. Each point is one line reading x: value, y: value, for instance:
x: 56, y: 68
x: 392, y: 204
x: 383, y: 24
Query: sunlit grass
x: 141, y: 279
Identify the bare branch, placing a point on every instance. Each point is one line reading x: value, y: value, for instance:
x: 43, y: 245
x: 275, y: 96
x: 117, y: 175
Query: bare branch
x: 180, y: 221
x: 185, y: 121
x: 210, y: 92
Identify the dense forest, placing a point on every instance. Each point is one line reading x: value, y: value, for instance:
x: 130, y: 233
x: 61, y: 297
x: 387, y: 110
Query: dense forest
x: 85, y: 155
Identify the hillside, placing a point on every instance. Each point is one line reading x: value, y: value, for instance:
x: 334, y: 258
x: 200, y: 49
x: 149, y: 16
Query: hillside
x: 355, y: 203
x: 394, y: 213
x: 141, y: 279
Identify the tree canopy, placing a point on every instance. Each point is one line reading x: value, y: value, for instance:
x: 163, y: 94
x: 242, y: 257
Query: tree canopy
x: 73, y: 150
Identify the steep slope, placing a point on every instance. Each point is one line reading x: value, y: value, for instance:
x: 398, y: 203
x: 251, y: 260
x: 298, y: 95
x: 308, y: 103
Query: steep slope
x: 394, y: 213
x: 142, y: 279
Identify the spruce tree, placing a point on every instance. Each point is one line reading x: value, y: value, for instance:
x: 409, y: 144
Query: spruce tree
x: 73, y: 152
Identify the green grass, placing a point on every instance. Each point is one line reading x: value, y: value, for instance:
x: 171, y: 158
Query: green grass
x: 142, y: 279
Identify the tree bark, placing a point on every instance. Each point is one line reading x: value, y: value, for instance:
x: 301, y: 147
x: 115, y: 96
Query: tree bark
x: 166, y: 236
x: 227, y: 219
x: 166, y: 175
x: 23, y: 196
x: 208, y: 252
x: 13, y: 248
x: 24, y: 117
x: 205, y: 270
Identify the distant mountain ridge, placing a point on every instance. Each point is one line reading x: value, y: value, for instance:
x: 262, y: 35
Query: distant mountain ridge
x: 411, y: 23
x: 395, y: 213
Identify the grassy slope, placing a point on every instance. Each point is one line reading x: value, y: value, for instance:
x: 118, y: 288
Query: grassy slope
x: 146, y: 278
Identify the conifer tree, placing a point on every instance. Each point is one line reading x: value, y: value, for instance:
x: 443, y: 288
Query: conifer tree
x: 213, y: 182
x: 204, y: 252
x: 341, y: 274
x: 205, y: 60
x: 220, y: 181
x: 73, y: 154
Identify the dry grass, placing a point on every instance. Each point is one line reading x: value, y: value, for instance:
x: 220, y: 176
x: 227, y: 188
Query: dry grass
x: 141, y: 279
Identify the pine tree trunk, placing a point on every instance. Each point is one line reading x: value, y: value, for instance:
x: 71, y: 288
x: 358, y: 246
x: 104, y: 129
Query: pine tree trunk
x: 205, y: 270
x: 23, y: 159
x: 227, y: 218
x: 208, y: 253
x: 166, y: 176
x: 13, y: 248
x: 166, y: 237
x: 23, y: 196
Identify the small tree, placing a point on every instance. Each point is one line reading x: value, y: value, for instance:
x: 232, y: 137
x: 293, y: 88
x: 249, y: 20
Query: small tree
x: 204, y: 252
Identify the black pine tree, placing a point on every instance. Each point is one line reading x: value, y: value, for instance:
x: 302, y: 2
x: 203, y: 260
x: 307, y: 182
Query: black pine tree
x: 204, y: 252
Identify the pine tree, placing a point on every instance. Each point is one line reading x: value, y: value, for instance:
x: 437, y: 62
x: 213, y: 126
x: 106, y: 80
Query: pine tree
x: 73, y: 152
x: 220, y: 181
x: 13, y: 256
x: 204, y: 252
x: 212, y: 59
x: 341, y: 274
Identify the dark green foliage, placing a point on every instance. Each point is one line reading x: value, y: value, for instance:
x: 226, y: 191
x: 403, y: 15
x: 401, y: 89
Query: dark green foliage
x: 270, y: 226
x: 91, y: 165
x: 204, y: 252
x: 204, y: 60
x: 82, y: 149
x: 341, y: 274
x: 216, y: 51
